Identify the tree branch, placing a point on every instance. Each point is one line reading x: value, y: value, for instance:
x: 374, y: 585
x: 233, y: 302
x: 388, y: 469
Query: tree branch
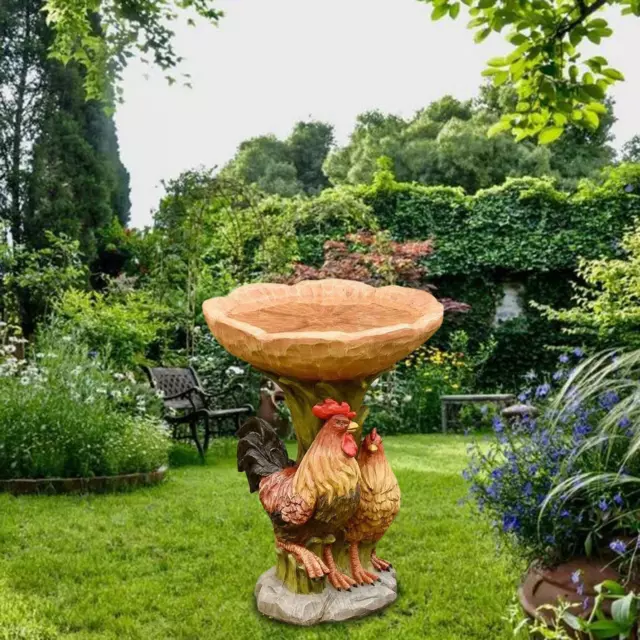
x: 585, y: 12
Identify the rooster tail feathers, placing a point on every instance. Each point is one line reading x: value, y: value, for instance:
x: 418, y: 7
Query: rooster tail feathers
x: 261, y: 453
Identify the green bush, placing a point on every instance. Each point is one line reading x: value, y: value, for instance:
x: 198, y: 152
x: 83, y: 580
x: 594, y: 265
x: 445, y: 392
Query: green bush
x: 124, y: 325
x: 66, y: 414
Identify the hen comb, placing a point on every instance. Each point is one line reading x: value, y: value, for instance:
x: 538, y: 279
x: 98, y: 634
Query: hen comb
x: 324, y: 410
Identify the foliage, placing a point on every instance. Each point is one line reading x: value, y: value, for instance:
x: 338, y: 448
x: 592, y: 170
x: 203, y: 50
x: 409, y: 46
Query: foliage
x: 33, y: 280
x: 517, y: 478
x: 103, y: 46
x: 284, y: 167
x: 554, y: 84
x: 17, y: 620
x: 127, y: 327
x: 66, y: 554
x: 631, y: 150
x: 620, y: 624
x: 446, y: 144
x: 66, y: 414
x: 607, y: 306
x: 60, y: 169
x: 407, y: 399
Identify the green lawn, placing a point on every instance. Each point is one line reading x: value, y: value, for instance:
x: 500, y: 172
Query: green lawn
x: 181, y: 560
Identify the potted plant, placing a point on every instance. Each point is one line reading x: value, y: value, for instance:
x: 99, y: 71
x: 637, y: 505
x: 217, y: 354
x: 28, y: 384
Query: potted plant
x: 562, y: 487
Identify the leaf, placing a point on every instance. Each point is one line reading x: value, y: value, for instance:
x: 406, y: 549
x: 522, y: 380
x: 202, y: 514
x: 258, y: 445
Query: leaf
x: 491, y: 71
x: 454, y: 10
x: 614, y: 74
x: 592, y: 118
x: 521, y: 107
x: 604, y: 629
x: 498, y: 127
x: 624, y: 610
x: 598, y: 107
x: 598, y: 23
x: 594, y: 91
x: 439, y: 12
x: 481, y: 35
x: 497, y: 62
x: 573, y: 621
x: 560, y: 119
x: 575, y: 37
x: 500, y: 78
x: 516, y: 38
x: 548, y: 135
x: 611, y: 586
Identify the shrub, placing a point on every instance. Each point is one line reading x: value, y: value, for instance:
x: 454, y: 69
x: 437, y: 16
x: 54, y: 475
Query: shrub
x: 125, y: 325
x: 407, y: 399
x: 607, y: 307
x: 66, y: 414
x: 514, y: 477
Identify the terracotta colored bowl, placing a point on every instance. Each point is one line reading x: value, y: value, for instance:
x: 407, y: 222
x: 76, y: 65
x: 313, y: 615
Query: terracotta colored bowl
x: 323, y: 329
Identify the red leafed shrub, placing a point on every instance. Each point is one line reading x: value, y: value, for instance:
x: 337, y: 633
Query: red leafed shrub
x: 376, y: 260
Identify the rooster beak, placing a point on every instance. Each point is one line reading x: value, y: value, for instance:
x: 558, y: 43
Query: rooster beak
x: 373, y: 448
x: 353, y: 427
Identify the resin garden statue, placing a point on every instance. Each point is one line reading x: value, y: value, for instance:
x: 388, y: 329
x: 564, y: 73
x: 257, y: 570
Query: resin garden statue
x: 323, y: 342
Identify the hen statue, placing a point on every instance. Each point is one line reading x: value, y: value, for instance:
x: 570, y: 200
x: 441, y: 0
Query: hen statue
x: 312, y: 500
x: 379, y: 505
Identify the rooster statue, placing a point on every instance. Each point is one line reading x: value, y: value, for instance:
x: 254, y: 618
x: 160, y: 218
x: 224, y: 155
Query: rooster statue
x: 379, y: 505
x: 314, y: 499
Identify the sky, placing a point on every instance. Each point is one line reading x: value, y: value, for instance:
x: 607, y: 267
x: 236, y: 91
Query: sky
x: 271, y: 63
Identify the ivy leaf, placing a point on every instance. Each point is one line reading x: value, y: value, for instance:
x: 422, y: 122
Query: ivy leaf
x: 548, y: 135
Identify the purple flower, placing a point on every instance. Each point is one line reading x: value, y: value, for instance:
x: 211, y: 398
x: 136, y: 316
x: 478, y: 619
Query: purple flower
x: 558, y: 375
x: 576, y: 576
x: 524, y: 395
x: 580, y: 589
x: 624, y: 422
x: 564, y: 358
x: 578, y: 352
x: 618, y: 499
x: 498, y: 425
x: 528, y: 489
x: 510, y: 523
x: 585, y: 604
x: 618, y: 547
x: 608, y: 400
x: 543, y: 390
x: 603, y: 504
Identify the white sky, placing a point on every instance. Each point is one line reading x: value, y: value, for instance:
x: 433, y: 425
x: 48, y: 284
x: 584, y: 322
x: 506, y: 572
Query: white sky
x: 274, y: 62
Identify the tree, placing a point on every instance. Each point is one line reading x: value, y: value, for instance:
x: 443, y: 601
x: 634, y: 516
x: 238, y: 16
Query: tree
x: 21, y: 76
x: 129, y: 26
x: 631, y: 150
x: 59, y: 163
x: 555, y: 86
x: 284, y: 167
x: 446, y: 143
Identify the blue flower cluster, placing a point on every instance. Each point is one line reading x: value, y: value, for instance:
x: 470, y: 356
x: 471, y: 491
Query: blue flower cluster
x: 510, y: 477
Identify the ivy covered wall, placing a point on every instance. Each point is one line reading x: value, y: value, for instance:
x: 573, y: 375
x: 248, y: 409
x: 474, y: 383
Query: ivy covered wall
x: 524, y: 231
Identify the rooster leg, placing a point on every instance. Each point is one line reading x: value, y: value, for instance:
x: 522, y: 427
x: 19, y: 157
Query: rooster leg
x: 378, y: 563
x: 337, y: 579
x: 314, y: 567
x: 357, y: 570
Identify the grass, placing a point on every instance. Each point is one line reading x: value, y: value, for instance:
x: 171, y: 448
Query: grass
x: 180, y: 561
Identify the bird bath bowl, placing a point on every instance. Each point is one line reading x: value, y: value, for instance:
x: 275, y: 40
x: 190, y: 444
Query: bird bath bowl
x: 321, y: 339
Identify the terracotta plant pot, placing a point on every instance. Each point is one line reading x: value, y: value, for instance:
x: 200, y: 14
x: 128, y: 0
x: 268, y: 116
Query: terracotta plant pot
x: 548, y: 586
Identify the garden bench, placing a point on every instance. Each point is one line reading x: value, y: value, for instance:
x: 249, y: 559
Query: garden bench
x: 187, y: 403
x: 447, y: 401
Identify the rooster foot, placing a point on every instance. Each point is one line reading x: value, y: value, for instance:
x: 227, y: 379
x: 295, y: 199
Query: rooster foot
x: 337, y: 579
x: 357, y: 570
x: 316, y: 569
x: 379, y: 564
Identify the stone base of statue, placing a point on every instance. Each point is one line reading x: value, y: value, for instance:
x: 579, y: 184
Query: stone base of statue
x: 276, y: 601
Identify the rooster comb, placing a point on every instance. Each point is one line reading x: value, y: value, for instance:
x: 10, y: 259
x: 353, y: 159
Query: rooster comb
x: 324, y: 410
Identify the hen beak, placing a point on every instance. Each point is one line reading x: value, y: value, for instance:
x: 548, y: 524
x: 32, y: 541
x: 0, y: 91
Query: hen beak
x: 373, y: 448
x: 353, y: 427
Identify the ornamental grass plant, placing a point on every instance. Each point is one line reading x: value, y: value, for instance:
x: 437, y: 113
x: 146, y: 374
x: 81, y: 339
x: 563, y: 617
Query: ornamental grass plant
x: 559, y: 485
x: 66, y: 413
